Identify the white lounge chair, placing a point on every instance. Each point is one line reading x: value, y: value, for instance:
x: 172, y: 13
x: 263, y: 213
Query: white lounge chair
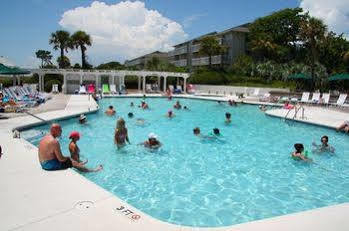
x: 305, y: 97
x: 82, y: 89
x: 113, y: 89
x: 255, y: 92
x: 341, y: 100
x: 265, y: 97
x: 148, y: 88
x: 325, y: 99
x: 315, y: 98
x: 55, y: 88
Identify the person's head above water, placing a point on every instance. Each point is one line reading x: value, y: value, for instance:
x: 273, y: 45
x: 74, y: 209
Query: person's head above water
x: 56, y: 130
x: 111, y: 107
x: 324, y: 140
x: 170, y: 112
x: 216, y: 131
x: 227, y: 115
x: 196, y: 131
x: 130, y: 115
x: 299, y: 148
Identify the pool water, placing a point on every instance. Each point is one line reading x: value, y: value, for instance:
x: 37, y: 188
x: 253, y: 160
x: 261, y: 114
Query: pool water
x: 244, y: 175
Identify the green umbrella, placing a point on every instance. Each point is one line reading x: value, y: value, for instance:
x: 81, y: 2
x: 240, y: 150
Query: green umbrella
x: 5, y: 70
x: 342, y: 76
x: 299, y: 76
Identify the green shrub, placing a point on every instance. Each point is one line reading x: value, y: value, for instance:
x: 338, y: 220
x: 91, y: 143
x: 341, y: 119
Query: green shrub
x: 48, y: 85
x: 209, y: 77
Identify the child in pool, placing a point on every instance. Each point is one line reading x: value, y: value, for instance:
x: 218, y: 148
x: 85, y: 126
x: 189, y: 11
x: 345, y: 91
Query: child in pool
x: 299, y: 154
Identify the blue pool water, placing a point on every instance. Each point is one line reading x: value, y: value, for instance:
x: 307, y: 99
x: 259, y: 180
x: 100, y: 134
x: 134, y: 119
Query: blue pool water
x: 246, y: 175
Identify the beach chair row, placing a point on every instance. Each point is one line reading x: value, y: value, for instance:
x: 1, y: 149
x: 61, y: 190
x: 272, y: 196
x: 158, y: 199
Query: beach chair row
x: 106, y: 89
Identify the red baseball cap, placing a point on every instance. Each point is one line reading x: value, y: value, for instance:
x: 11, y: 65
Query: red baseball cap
x: 74, y: 134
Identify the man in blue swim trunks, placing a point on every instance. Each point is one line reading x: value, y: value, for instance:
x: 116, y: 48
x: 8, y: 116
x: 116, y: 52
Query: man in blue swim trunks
x: 51, y: 157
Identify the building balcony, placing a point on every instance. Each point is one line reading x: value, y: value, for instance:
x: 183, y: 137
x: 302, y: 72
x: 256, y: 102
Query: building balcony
x: 195, y: 48
x: 203, y: 61
x: 178, y: 51
x: 180, y: 63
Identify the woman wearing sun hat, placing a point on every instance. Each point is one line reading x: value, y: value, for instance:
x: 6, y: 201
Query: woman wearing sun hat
x: 152, y: 142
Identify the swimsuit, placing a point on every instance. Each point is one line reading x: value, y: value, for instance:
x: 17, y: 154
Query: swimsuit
x: 55, y: 164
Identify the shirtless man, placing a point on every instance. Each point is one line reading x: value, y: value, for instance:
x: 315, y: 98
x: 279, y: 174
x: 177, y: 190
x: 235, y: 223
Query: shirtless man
x: 51, y: 157
x: 110, y: 111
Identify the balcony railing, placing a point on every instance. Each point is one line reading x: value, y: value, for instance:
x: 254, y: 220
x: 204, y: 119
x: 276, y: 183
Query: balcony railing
x: 203, y: 61
x: 178, y: 51
x: 180, y: 63
x: 195, y: 48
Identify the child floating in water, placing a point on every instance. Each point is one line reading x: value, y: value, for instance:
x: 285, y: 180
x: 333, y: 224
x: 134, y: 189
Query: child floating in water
x: 324, y: 146
x: 300, y: 154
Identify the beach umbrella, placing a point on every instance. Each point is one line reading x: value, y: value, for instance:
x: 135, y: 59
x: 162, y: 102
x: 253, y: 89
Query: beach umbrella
x: 341, y: 76
x: 14, y: 71
x: 299, y: 76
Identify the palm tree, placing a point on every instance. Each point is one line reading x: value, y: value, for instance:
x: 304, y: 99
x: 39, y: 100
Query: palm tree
x: 312, y: 33
x: 45, y: 57
x: 61, y: 40
x: 80, y: 40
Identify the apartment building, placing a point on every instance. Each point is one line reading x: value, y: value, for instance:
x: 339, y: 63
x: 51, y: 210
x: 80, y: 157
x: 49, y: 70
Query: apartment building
x: 187, y: 54
x: 140, y: 62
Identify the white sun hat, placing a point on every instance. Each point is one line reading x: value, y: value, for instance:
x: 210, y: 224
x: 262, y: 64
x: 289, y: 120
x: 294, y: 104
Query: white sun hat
x: 82, y: 117
x: 152, y: 136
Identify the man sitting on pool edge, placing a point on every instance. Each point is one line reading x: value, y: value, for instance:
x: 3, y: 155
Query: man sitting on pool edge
x: 51, y: 157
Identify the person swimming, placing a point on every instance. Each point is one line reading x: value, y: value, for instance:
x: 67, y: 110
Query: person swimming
x: 132, y: 105
x: 227, y: 118
x: 232, y: 102
x: 82, y: 119
x: 324, y: 146
x: 130, y: 115
x: 186, y: 108
x: 152, y: 142
x: 262, y: 107
x: 299, y: 153
x: 144, y: 105
x: 121, y: 133
x: 170, y: 114
x: 177, y: 105
x: 216, y: 132
x: 110, y: 111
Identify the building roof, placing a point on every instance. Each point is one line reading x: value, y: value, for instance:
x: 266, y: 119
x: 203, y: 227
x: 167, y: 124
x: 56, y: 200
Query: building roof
x: 143, y: 56
x: 241, y: 28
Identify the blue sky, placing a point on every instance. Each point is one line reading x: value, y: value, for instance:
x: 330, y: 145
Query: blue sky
x: 121, y: 31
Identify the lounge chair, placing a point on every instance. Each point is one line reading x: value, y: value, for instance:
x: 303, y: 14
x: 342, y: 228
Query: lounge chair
x: 179, y: 88
x: 113, y: 89
x: 325, y: 99
x: 55, y: 88
x: 341, y: 100
x: 91, y: 89
x: 171, y: 88
x: 105, y: 89
x: 315, y: 98
x: 82, y: 89
x: 305, y: 97
x: 255, y: 92
x: 148, y: 88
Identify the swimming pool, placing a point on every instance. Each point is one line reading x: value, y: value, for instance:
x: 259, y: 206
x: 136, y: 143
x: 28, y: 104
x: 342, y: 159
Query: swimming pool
x: 245, y: 175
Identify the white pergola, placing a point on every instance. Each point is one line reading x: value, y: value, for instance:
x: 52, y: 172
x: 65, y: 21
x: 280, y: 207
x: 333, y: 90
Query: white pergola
x: 114, y: 77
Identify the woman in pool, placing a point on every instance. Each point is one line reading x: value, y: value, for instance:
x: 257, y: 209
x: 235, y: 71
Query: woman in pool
x: 324, y: 146
x: 144, y: 105
x: 73, y: 147
x: 121, y: 134
x: 232, y: 102
x: 152, y: 142
x: 299, y: 154
x: 177, y: 105
x: 227, y: 118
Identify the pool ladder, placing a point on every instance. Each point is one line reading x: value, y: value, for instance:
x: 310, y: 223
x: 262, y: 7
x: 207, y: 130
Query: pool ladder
x: 296, y: 110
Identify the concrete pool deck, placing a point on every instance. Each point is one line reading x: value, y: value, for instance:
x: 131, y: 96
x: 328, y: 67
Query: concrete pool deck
x: 33, y: 199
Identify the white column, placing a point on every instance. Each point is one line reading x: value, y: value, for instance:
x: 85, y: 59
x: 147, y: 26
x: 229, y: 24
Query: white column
x: 165, y: 88
x: 65, y: 90
x: 120, y: 82
x: 81, y: 78
x: 39, y: 82
x: 14, y: 80
x: 113, y: 79
x: 139, y: 83
x: 43, y: 82
x: 144, y: 84
x: 185, y: 85
x: 96, y: 76
x: 159, y: 82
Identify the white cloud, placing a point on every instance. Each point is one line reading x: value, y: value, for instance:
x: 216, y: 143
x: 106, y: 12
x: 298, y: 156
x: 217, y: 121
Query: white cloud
x: 335, y: 13
x: 188, y: 21
x: 124, y: 30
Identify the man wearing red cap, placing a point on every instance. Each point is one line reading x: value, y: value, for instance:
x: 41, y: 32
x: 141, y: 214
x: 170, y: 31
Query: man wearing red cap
x: 51, y: 157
